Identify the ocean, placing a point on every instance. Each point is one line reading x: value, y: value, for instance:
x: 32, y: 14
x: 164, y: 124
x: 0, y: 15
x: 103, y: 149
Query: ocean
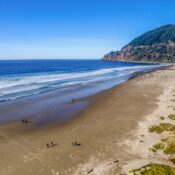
x: 21, y: 78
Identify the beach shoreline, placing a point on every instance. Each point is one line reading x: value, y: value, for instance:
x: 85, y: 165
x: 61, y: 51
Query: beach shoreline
x: 111, y: 117
x: 43, y: 109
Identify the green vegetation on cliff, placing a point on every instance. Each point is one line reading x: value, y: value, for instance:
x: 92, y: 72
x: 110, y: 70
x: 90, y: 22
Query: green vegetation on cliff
x: 163, y: 34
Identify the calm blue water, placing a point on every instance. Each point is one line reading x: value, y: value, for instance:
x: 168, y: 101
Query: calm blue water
x: 24, y: 78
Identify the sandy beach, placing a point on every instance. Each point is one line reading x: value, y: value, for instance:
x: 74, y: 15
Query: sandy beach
x: 111, y: 134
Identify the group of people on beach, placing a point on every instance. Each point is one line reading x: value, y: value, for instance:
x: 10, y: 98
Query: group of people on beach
x: 25, y: 121
x: 52, y: 144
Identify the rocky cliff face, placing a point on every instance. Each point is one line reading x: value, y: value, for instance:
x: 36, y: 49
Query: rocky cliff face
x: 157, y: 45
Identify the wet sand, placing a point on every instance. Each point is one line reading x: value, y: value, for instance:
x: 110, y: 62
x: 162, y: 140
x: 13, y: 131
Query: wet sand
x: 111, y: 117
x: 56, y: 106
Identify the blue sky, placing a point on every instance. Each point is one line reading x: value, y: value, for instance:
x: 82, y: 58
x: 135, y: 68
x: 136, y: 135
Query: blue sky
x: 43, y: 29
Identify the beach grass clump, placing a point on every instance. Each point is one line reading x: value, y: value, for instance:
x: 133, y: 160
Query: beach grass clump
x: 165, y: 139
x: 156, y: 129
x: 172, y: 160
x: 154, y: 169
x: 167, y: 126
x: 167, y: 145
x: 170, y: 148
x: 171, y: 116
x: 162, y: 118
x: 161, y: 128
x: 153, y: 150
x: 159, y: 146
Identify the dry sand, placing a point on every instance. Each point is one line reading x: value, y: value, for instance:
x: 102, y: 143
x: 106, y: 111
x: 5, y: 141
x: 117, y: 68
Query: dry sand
x: 109, y: 131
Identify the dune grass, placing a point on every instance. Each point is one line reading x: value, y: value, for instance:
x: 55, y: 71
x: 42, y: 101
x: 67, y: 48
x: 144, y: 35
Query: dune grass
x: 162, y: 118
x: 171, y: 116
x: 161, y: 128
x: 169, y: 148
x: 154, y: 169
x: 159, y: 146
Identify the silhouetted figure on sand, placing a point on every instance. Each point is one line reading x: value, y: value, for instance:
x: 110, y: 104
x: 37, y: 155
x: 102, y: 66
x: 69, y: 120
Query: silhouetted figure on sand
x: 25, y: 121
x: 51, y: 144
x: 76, y: 144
